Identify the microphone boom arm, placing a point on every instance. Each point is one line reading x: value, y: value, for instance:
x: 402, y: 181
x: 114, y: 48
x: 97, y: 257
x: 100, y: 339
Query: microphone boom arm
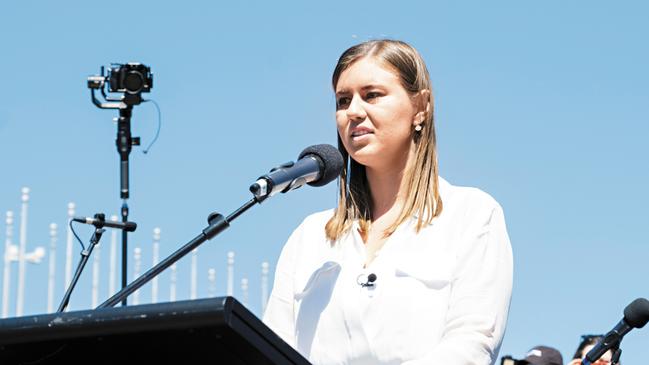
x: 217, y: 224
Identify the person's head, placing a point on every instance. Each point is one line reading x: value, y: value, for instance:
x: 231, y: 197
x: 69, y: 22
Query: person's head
x: 384, y: 117
x: 543, y: 355
x: 586, y: 344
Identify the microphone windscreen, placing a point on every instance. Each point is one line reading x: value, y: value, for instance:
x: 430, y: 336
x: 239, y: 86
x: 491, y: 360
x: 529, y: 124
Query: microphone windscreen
x: 636, y: 314
x: 332, y: 162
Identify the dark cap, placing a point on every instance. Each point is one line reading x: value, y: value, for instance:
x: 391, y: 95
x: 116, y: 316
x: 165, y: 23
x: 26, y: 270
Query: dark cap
x: 543, y: 355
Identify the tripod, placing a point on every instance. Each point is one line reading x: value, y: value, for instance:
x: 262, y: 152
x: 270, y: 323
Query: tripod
x: 132, y: 79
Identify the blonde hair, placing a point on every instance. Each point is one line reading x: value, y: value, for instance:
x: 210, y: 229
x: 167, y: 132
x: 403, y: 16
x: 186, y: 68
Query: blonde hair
x: 421, y: 176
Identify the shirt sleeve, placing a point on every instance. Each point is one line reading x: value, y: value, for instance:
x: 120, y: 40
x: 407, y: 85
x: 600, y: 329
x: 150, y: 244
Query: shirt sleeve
x: 279, y: 314
x: 479, y: 299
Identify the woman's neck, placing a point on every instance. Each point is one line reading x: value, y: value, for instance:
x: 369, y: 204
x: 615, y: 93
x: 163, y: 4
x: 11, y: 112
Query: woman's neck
x: 386, y: 189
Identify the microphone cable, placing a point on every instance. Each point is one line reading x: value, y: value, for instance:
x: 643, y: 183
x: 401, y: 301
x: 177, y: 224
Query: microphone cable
x: 83, y: 247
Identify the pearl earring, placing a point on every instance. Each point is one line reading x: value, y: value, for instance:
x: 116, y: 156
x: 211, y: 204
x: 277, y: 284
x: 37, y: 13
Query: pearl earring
x: 418, y: 128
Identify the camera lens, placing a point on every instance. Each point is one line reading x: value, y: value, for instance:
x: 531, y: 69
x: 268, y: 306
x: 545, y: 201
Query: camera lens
x: 133, y: 82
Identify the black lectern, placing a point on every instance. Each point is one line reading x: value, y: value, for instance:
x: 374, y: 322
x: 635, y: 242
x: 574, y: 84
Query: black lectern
x: 204, y: 331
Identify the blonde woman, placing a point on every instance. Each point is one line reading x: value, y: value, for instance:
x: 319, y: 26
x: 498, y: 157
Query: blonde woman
x: 407, y: 269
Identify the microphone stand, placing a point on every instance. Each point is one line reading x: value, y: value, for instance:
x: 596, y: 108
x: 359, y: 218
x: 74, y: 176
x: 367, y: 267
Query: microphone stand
x: 217, y: 224
x: 85, y: 255
x: 124, y: 143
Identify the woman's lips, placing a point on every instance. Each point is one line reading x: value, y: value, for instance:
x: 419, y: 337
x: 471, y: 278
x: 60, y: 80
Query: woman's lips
x: 360, y: 133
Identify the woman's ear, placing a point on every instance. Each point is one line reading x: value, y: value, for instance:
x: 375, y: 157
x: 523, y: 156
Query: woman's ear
x: 422, y: 103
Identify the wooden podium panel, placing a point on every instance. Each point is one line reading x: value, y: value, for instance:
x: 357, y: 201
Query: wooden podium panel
x: 204, y: 331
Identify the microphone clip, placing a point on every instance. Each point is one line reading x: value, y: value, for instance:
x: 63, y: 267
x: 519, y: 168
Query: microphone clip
x: 366, y: 281
x: 99, y: 221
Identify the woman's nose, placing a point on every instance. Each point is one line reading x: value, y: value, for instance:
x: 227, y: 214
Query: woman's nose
x: 355, y: 110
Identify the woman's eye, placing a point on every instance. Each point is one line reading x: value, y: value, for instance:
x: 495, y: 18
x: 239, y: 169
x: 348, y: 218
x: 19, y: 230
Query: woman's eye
x: 372, y: 95
x: 343, y: 101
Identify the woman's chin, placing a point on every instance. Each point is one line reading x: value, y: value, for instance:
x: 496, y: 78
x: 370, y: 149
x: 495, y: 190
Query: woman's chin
x: 365, y: 156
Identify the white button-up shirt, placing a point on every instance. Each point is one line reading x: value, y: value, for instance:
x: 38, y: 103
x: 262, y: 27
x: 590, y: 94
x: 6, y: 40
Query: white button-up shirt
x: 441, y: 296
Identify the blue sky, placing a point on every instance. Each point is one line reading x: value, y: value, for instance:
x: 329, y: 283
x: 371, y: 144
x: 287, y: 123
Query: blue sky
x: 541, y: 104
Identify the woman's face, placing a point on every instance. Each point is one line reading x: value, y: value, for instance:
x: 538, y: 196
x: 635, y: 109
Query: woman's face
x: 375, y: 115
x: 604, y: 360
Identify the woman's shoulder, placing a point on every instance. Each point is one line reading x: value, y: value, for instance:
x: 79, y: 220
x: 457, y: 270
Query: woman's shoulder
x: 469, y: 205
x: 310, y: 233
x: 315, y: 222
x: 465, y: 196
x: 470, y: 213
x: 319, y: 218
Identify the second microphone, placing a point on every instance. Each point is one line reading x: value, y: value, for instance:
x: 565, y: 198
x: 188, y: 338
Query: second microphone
x: 99, y: 221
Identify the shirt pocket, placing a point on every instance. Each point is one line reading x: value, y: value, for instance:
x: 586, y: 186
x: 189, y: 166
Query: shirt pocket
x: 433, y: 274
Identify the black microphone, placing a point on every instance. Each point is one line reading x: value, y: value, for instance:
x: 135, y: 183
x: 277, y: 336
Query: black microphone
x: 317, y: 165
x: 636, y: 315
x: 99, y: 222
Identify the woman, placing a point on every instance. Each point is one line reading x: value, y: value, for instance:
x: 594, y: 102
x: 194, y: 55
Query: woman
x: 407, y: 269
x: 587, y: 343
